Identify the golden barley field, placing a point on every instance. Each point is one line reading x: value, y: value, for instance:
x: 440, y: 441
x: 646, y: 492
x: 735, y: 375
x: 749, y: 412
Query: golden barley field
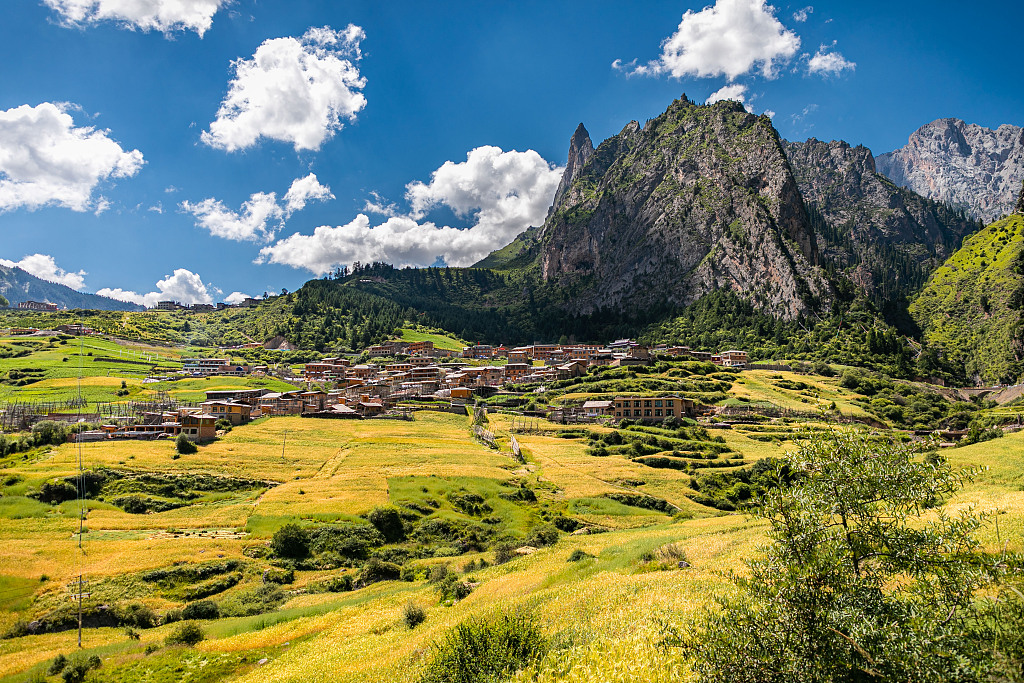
x: 604, y: 614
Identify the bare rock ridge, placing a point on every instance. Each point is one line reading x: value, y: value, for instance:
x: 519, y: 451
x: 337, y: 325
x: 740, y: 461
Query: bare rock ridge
x: 1020, y: 200
x: 885, y: 238
x: 580, y: 150
x: 698, y: 199
x: 964, y: 165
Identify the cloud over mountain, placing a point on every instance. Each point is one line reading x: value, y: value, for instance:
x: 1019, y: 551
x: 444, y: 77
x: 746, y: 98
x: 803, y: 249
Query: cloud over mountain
x: 503, y: 192
x: 730, y: 38
x: 183, y: 286
x: 44, y: 266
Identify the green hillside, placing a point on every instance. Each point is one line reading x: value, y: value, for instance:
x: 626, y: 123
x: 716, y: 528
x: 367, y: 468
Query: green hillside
x: 970, y: 309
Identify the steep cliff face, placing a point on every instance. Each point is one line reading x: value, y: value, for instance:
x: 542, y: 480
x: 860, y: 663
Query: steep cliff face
x: 701, y: 198
x: 580, y: 150
x: 964, y: 165
x: 885, y: 238
x: 1020, y: 200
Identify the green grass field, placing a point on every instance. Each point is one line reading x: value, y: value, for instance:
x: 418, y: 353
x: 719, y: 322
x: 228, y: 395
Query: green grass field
x: 604, y: 613
x: 441, y: 341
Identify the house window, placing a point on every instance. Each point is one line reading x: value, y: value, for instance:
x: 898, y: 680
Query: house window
x: 647, y: 413
x: 670, y: 412
x: 618, y: 414
x: 647, y: 404
x: 636, y: 404
x: 657, y: 404
x: 657, y: 412
x: 669, y: 403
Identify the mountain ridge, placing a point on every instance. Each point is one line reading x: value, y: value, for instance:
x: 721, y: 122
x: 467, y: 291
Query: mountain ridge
x: 17, y: 285
x: 961, y: 164
x: 700, y: 198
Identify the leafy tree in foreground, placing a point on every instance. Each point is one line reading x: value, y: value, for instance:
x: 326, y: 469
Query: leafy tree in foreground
x: 865, y: 579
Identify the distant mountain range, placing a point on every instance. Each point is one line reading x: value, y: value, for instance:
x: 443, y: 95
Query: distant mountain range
x: 17, y: 285
x: 961, y: 164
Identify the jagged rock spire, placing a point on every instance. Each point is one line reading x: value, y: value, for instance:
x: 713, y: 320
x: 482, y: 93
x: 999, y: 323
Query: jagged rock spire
x: 580, y: 150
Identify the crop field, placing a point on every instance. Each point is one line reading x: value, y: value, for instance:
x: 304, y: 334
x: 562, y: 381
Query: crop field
x: 201, y: 526
x: 56, y: 369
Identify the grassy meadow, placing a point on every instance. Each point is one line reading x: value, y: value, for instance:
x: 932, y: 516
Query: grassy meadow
x: 604, y: 613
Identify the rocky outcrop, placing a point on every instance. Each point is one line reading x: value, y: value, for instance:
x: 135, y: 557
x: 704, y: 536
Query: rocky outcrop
x: 1020, y: 200
x: 700, y: 198
x: 964, y: 165
x: 885, y: 238
x: 580, y: 150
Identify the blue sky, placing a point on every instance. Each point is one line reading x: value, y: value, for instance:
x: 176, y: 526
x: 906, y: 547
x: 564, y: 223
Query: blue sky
x: 139, y: 151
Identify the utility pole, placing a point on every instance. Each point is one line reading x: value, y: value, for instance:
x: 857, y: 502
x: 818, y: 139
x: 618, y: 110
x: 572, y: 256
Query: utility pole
x: 283, y: 442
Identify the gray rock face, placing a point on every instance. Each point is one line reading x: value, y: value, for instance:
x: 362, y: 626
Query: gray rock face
x: 964, y: 165
x: 885, y: 238
x: 701, y: 198
x: 1020, y: 200
x: 580, y: 151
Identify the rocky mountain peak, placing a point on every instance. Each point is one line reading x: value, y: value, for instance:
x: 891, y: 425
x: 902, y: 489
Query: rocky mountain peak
x: 580, y: 150
x: 698, y: 199
x: 961, y: 164
x: 885, y: 238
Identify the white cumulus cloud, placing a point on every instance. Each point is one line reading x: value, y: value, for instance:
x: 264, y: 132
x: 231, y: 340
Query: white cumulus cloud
x: 503, y: 192
x: 261, y: 216
x: 734, y: 92
x: 45, y: 267
x: 730, y: 38
x: 182, y: 286
x: 46, y: 160
x: 829, y: 63
x: 801, y: 15
x: 160, y: 15
x: 236, y: 297
x: 296, y: 90
x: 303, y: 190
x: 258, y: 220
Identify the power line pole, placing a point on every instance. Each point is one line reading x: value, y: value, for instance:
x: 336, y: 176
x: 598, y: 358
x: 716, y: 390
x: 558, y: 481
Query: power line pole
x: 283, y: 442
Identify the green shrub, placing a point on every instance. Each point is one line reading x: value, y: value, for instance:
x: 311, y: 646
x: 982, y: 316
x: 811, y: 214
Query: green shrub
x: 485, y: 650
x: 578, y: 555
x: 503, y: 552
x: 257, y: 600
x: 77, y: 667
x: 184, y: 446
x: 450, y: 588
x: 136, y: 614
x: 291, y: 541
x: 57, y: 665
x: 544, y: 535
x: 188, y: 633
x: 377, y: 570
x: 203, y: 609
x: 388, y: 521
x: 413, y: 615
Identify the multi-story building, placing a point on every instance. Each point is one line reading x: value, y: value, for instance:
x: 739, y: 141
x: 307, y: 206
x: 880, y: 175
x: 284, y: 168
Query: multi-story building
x: 167, y: 305
x: 37, y: 306
x: 202, y: 366
x: 235, y: 413
x: 652, y: 408
x: 421, y: 348
x: 734, y: 358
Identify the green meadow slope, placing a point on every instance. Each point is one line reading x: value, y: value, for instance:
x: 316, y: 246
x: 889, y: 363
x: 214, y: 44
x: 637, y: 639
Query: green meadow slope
x: 970, y: 309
